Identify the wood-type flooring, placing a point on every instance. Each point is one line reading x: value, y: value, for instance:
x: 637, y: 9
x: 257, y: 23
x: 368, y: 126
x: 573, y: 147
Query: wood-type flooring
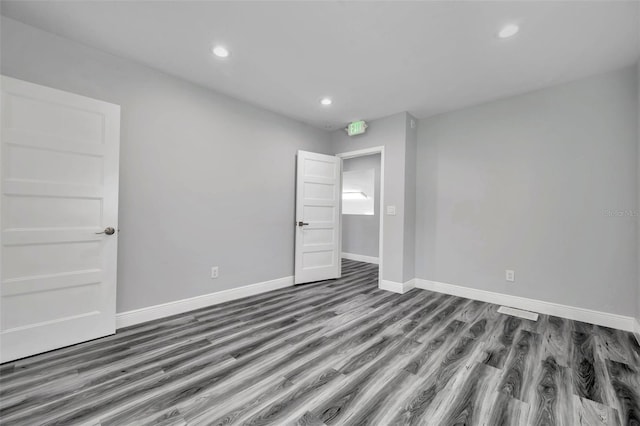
x: 340, y: 352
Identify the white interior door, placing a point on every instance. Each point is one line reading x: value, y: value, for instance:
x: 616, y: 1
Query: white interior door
x: 318, y: 237
x: 59, y: 190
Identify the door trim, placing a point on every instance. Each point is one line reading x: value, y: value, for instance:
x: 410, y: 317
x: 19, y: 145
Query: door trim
x: 362, y: 153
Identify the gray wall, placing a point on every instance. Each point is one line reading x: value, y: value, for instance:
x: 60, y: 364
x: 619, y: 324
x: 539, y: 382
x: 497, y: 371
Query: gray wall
x: 524, y: 183
x: 361, y: 233
x: 205, y: 179
x: 638, y: 196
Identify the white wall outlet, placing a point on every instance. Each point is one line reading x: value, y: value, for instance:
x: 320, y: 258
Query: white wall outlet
x: 391, y: 210
x: 214, y: 272
x: 510, y: 275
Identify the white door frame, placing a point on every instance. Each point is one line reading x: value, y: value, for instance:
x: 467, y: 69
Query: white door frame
x: 362, y: 153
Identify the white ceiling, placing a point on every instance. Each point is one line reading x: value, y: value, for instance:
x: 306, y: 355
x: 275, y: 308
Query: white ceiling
x: 373, y: 58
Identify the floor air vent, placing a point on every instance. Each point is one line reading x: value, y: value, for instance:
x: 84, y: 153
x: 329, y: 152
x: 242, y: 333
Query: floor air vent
x: 518, y: 313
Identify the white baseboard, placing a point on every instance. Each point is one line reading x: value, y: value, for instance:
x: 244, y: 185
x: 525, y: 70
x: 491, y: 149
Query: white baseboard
x: 361, y: 258
x: 137, y: 316
x: 637, y: 330
x: 570, y: 312
x: 397, y: 287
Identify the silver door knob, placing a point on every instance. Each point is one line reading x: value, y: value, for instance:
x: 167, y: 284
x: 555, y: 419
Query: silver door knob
x: 109, y: 231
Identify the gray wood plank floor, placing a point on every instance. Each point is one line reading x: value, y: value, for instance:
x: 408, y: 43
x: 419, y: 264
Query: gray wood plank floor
x: 335, y: 352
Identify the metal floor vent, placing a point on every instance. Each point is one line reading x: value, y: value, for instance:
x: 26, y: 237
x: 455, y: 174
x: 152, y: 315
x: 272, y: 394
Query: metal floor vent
x: 518, y: 313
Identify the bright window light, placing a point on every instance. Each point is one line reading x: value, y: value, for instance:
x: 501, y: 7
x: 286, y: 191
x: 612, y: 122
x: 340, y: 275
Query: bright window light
x: 354, y: 196
x: 358, y: 192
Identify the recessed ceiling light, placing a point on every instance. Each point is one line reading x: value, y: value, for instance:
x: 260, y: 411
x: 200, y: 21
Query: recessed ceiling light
x: 326, y: 101
x: 221, y: 51
x: 508, y: 31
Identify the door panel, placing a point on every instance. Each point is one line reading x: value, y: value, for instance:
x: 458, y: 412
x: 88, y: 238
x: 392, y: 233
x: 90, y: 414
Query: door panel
x: 59, y: 190
x: 318, y: 242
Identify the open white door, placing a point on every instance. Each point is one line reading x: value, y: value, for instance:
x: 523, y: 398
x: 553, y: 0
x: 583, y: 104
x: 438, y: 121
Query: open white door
x: 59, y: 204
x: 318, y: 237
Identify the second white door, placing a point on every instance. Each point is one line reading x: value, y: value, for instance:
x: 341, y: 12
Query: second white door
x: 318, y: 199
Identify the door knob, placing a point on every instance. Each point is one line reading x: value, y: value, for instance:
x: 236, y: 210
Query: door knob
x: 302, y: 223
x: 109, y: 231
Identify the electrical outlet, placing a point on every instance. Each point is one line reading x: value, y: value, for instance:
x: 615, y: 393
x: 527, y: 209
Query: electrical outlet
x: 510, y: 275
x: 214, y: 272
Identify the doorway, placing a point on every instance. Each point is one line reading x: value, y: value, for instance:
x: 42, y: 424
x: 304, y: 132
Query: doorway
x: 362, y: 206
